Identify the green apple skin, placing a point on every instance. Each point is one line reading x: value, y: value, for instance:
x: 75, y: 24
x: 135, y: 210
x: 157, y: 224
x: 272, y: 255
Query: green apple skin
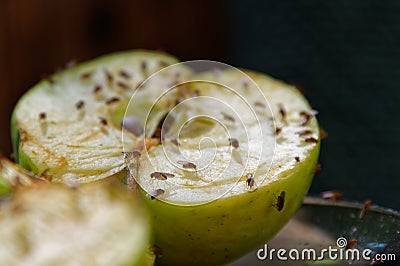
x: 220, y: 231
x: 4, y: 187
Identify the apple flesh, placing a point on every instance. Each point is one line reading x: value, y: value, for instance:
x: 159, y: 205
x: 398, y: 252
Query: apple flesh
x: 51, y: 224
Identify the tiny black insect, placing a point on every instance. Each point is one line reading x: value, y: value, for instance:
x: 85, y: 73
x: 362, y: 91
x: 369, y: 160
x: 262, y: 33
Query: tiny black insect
x: 42, y: 116
x: 365, y: 209
x: 103, y: 121
x: 280, y: 201
x: 80, y: 104
x: 156, y: 193
x: 250, y: 180
x: 234, y: 142
x: 228, y: 117
x: 187, y: 165
x: 124, y: 74
x: 86, y: 75
x: 161, y: 175
x: 111, y: 100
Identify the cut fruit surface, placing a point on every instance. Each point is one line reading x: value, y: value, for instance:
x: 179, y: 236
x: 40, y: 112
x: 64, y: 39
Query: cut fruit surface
x: 268, y: 145
x: 51, y: 224
x: 69, y: 126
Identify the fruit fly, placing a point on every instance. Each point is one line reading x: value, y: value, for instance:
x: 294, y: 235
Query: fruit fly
x: 174, y: 141
x: 187, y: 165
x: 282, y: 111
x: 352, y: 242
x: 365, y: 209
x: 297, y: 158
x: 124, y: 74
x: 103, y: 121
x: 280, y: 201
x: 143, y: 67
x: 250, y: 181
x: 42, y: 116
x: 156, y: 193
x: 259, y: 104
x: 43, y: 122
x: 163, y: 64
x: 131, y: 154
x: 245, y: 84
x: 331, y: 194
x: 300, y: 89
x: 234, y: 142
x: 123, y: 85
x: 311, y: 140
x: 307, y: 115
x: 323, y: 133
x: 304, y: 133
x: 132, y: 166
x: 228, y: 117
x: 80, y: 107
x: 156, y: 250
x: 96, y: 89
x: 109, y: 76
x: 80, y: 104
x: 111, y: 100
x: 161, y: 175
x: 86, y: 75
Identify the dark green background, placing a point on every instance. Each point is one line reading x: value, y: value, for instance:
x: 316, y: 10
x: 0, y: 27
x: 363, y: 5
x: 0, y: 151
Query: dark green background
x: 346, y: 54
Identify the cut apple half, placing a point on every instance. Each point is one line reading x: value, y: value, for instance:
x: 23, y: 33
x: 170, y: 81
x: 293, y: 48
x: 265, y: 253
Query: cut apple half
x: 236, y: 156
x: 52, y: 224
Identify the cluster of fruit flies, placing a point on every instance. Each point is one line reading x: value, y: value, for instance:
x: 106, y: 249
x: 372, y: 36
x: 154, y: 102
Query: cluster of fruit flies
x: 305, y: 118
x: 159, y: 176
x: 123, y: 74
x: 164, y: 176
x: 79, y: 105
x: 250, y: 182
